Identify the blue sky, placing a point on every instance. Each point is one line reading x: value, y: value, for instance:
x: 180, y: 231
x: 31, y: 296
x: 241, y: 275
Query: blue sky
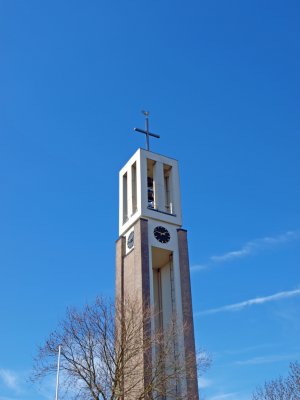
x: 221, y: 80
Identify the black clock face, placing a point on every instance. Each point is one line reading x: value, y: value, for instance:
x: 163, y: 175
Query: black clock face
x: 162, y: 234
x: 130, y: 240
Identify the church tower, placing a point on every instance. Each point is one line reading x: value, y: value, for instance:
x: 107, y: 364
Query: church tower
x: 152, y: 252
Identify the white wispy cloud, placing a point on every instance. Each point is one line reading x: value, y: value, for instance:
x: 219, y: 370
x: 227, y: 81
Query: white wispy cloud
x: 251, y: 302
x: 256, y: 245
x: 10, y: 379
x: 198, y: 267
x: 249, y: 248
x: 7, y: 398
x: 227, y: 396
x: 267, y: 359
x: 244, y: 350
x: 204, y: 382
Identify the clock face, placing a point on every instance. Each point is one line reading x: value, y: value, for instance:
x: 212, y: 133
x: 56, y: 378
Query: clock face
x: 162, y: 234
x: 130, y: 240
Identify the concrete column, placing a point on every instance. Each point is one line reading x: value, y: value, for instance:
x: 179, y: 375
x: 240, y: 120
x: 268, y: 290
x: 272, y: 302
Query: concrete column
x: 187, y: 314
x: 120, y: 251
x: 133, y: 283
x: 129, y: 192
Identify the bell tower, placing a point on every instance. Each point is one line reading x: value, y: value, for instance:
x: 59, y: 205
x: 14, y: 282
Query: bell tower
x: 152, y: 252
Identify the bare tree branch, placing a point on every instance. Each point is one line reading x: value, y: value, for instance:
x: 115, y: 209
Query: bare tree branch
x: 281, y: 388
x: 102, y: 348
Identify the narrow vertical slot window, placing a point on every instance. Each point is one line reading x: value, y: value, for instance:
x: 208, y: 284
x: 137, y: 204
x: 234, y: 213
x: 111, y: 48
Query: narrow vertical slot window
x: 125, y: 204
x: 150, y: 184
x: 133, y: 188
x: 163, y: 286
x: 165, y: 311
x: 168, y: 189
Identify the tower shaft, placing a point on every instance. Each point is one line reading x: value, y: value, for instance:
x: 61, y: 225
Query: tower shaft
x: 152, y: 270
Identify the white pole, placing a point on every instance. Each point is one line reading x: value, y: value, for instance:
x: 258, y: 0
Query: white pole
x: 57, y: 374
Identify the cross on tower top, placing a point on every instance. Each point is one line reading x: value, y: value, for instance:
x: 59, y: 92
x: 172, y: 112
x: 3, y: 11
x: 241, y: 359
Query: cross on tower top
x: 146, y: 131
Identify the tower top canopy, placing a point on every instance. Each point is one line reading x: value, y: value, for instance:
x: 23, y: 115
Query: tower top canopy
x: 146, y: 130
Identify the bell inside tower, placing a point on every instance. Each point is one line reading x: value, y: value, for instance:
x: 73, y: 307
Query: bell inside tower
x: 150, y: 183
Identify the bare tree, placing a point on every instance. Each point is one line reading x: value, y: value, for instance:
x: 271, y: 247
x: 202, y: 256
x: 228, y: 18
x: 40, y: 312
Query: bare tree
x: 281, y: 388
x: 101, y: 355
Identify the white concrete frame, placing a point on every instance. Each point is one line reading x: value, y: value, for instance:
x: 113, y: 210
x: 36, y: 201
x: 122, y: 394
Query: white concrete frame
x: 159, y: 214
